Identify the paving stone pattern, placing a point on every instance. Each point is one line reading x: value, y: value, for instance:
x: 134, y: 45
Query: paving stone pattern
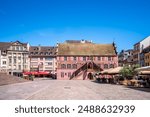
x: 46, y: 89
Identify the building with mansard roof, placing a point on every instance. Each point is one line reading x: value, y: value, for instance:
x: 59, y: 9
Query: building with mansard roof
x: 14, y: 57
x: 43, y: 58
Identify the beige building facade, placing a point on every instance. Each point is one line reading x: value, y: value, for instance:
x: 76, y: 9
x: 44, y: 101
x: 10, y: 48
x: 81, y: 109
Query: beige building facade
x: 43, y: 58
x: 14, y: 57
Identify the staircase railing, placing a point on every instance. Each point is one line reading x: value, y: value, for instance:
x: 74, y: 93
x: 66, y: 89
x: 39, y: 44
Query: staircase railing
x: 75, y: 73
x: 96, y: 67
x: 84, y: 68
x: 84, y: 74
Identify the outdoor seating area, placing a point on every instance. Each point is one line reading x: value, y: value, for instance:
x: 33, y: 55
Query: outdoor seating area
x: 32, y: 75
x: 113, y: 76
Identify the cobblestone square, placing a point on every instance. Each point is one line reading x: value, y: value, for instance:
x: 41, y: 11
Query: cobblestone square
x: 45, y: 89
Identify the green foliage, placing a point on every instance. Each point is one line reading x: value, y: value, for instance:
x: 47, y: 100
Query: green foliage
x: 128, y: 71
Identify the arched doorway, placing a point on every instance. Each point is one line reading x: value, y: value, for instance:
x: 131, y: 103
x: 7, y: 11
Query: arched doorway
x: 90, y: 65
x: 90, y: 76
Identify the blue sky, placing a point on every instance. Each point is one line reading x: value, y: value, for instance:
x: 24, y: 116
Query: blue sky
x: 46, y: 22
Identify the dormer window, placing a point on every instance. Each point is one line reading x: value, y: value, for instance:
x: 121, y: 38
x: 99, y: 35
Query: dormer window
x: 36, y: 48
x: 21, y: 48
x: 50, y: 53
x: 13, y: 48
x: 4, y: 52
x: 46, y: 53
x: 17, y: 48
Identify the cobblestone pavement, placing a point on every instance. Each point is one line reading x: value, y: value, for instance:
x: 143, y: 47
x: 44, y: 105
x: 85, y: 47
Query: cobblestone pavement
x: 45, y: 89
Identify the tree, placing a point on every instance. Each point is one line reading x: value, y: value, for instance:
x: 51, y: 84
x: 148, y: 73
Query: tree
x: 128, y: 71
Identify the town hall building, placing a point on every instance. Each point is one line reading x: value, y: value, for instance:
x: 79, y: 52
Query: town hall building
x: 80, y: 59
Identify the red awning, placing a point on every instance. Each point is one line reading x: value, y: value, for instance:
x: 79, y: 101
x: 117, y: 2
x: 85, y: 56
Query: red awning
x: 36, y: 73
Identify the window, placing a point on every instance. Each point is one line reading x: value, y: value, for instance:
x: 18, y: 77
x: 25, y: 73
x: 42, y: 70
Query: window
x: 17, y: 48
x: 74, y: 58
x: 24, y: 60
x: 34, y: 63
x: 69, y: 74
x: 13, y: 48
x: 105, y: 66
x: 62, y: 74
x: 21, y: 48
x: 36, y: 53
x: 49, y: 63
x: 99, y: 58
x: 19, y: 58
x: 50, y: 53
x: 48, y: 68
x: 74, y: 66
x: 91, y: 58
x: 19, y: 66
x: 15, y: 60
x: 111, y: 66
x: 4, y: 62
x: 41, y: 59
x: 34, y: 59
x: 68, y: 66
x: 10, y: 60
x: 109, y: 58
x: 36, y: 48
x: 84, y: 58
x: 63, y: 66
x: 99, y: 65
x: 65, y: 58
x: 48, y: 59
x: 25, y: 66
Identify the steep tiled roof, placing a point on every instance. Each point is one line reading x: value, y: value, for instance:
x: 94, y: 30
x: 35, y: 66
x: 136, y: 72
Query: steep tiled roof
x: 86, y: 49
x: 6, y: 45
x: 42, y: 51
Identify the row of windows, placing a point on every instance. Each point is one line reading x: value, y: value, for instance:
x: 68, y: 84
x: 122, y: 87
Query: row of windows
x: 146, y: 57
x: 36, y: 63
x: 19, y: 67
x: 15, y: 60
x: 41, y: 53
x: 46, y: 59
x: 90, y: 58
x: 135, y: 56
x: 147, y: 64
x: 18, y: 48
x: 4, y: 62
x: 68, y: 66
x: 65, y: 74
x: 74, y: 66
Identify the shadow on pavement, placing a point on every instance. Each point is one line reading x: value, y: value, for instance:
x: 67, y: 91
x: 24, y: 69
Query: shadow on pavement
x: 139, y: 88
x: 129, y: 87
x: 95, y: 81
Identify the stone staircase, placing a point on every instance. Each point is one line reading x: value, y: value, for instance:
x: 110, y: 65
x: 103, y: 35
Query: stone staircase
x: 84, y: 69
x: 79, y: 76
x: 8, y: 79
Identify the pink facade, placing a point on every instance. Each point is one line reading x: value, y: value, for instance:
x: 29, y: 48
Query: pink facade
x: 68, y: 64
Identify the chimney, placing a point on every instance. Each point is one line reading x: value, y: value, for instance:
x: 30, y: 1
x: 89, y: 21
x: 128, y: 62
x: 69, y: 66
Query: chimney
x: 39, y: 47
